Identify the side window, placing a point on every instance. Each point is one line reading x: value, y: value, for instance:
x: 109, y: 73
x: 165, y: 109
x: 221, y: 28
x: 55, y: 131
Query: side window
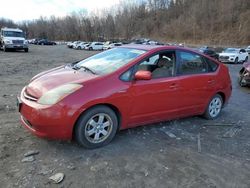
x: 151, y: 61
x: 212, y: 66
x: 126, y: 76
x: 242, y: 50
x: 190, y: 63
x: 160, y: 65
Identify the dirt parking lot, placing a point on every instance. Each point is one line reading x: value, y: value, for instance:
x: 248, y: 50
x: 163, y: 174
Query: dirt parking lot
x: 160, y: 155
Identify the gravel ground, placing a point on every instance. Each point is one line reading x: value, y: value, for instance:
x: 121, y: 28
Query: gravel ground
x: 166, y: 154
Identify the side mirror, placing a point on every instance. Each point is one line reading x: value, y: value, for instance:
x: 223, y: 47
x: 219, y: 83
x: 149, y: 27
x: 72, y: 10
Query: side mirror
x: 143, y: 75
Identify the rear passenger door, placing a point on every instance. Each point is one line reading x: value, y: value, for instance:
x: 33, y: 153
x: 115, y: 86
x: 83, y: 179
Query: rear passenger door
x: 197, y: 81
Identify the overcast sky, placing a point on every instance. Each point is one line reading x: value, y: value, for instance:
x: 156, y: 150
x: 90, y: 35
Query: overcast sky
x: 19, y: 10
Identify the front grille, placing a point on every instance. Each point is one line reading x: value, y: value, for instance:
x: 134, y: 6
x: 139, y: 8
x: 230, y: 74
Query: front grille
x: 29, y: 97
x: 17, y: 41
x: 224, y: 57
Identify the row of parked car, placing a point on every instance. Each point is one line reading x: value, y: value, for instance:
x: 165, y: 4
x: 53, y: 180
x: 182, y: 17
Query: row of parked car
x: 228, y: 55
x: 41, y: 42
x: 79, y: 45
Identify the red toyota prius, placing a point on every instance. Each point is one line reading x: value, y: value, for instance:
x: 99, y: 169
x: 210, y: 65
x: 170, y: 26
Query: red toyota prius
x: 124, y: 87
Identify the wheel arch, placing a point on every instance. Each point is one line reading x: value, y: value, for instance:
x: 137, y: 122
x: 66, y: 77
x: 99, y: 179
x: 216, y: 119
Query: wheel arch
x: 111, y: 106
x: 223, y: 96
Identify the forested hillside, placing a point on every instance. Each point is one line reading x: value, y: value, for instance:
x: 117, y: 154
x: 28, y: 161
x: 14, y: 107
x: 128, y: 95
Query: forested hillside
x: 216, y: 22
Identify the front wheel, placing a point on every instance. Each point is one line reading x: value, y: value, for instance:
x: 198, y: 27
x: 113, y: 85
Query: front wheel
x: 241, y: 79
x: 236, y: 60
x: 97, y: 127
x: 5, y: 49
x: 214, y: 107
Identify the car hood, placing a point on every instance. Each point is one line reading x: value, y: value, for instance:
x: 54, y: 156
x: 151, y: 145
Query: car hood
x: 227, y: 54
x: 53, y: 78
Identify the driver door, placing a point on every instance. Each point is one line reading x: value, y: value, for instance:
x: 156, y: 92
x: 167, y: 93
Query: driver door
x: 156, y: 99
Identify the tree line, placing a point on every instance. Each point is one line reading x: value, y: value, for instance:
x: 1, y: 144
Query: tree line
x: 215, y: 22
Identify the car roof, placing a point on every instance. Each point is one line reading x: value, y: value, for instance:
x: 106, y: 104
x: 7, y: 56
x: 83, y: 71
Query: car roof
x: 11, y: 29
x: 155, y: 47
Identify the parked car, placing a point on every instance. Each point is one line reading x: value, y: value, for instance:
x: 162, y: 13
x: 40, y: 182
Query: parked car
x: 244, y: 75
x: 106, y: 44
x: 233, y: 55
x: 152, y: 42
x: 81, y: 45
x: 46, y: 42
x: 121, y: 88
x: 210, y: 52
x: 72, y: 44
x: 248, y: 49
x: 95, y: 46
x: 112, y: 45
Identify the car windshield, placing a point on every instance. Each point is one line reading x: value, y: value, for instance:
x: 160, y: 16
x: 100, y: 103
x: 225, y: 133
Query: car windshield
x: 111, y: 60
x: 231, y: 50
x: 12, y: 34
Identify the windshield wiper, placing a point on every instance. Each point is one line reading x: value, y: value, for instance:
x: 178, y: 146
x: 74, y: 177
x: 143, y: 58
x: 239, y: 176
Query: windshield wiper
x: 86, y: 68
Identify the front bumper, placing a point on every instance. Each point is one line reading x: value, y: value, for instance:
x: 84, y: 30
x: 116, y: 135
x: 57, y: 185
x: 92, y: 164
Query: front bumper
x: 16, y: 46
x: 53, y: 122
x: 229, y: 60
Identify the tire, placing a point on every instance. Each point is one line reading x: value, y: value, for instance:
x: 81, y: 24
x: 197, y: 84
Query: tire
x: 90, y: 48
x: 96, y: 127
x: 241, y: 77
x: 78, y: 48
x: 5, y: 49
x: 26, y: 49
x: 236, y: 60
x: 246, y: 59
x: 214, y: 107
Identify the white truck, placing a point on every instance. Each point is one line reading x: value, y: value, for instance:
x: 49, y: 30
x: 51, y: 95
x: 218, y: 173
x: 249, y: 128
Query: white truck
x: 13, y: 39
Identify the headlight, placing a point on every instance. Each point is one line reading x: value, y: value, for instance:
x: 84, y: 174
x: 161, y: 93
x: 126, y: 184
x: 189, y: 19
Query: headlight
x: 8, y: 42
x: 55, y: 95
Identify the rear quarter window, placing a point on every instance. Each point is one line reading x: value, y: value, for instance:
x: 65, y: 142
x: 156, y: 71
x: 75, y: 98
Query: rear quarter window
x: 212, y: 66
x: 191, y: 63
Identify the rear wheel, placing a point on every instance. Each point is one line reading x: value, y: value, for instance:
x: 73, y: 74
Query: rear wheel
x: 214, y: 107
x: 97, y: 127
x: 246, y: 59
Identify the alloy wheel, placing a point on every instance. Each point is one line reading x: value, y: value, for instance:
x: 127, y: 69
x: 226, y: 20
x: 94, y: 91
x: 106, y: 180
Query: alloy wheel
x: 215, y: 107
x: 98, y: 128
